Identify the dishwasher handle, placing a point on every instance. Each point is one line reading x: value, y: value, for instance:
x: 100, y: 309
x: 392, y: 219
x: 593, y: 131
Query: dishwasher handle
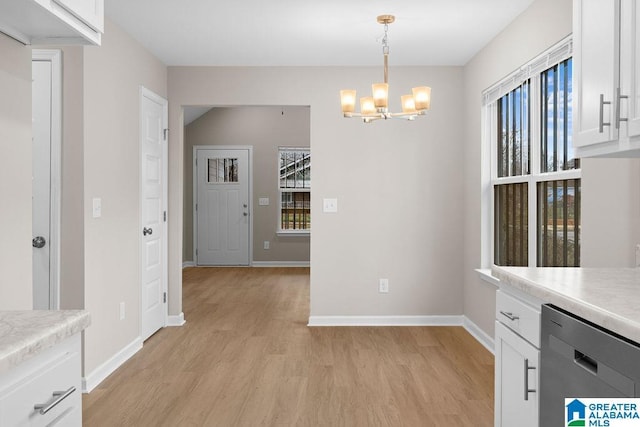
x: 585, y: 362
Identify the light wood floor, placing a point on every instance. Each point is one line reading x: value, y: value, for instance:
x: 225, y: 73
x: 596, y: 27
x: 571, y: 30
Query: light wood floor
x: 246, y: 357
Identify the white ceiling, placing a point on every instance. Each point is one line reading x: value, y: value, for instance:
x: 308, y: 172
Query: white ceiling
x: 312, y: 33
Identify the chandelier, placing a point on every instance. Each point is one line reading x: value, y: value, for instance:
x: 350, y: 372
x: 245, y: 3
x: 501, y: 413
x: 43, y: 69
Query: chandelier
x: 376, y: 107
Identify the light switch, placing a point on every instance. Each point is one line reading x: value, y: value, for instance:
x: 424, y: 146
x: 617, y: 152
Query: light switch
x: 97, y: 207
x: 329, y: 205
x: 263, y: 201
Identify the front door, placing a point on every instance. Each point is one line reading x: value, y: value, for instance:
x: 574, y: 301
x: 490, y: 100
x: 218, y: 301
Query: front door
x: 222, y: 207
x: 153, y: 141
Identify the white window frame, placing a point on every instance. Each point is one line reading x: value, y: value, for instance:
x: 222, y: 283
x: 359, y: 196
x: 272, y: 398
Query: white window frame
x: 489, y: 176
x: 289, y: 232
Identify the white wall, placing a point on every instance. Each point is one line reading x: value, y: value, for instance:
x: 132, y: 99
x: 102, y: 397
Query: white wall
x: 112, y: 76
x: 399, y: 184
x: 608, y: 232
x: 16, y: 288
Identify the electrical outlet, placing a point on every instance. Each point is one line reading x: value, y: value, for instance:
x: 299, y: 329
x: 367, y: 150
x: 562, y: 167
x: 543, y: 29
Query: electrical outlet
x: 122, y: 314
x: 266, y: 244
x: 383, y: 286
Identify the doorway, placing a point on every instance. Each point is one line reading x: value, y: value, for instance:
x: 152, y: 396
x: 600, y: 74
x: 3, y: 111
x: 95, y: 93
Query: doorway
x: 222, y: 208
x: 46, y: 188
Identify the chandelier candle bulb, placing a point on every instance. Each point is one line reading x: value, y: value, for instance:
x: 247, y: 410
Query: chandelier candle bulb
x: 367, y: 105
x: 408, y: 104
x: 380, y: 94
x: 422, y: 97
x: 348, y: 100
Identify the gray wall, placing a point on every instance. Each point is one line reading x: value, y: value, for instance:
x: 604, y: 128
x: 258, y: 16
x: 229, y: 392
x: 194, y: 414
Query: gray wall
x: 113, y: 74
x: 399, y: 184
x: 72, y: 209
x: 16, y: 288
x: 264, y: 128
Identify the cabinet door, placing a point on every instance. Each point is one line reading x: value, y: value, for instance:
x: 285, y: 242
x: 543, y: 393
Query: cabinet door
x: 629, y: 68
x: 516, y: 372
x: 596, y: 53
x: 90, y: 12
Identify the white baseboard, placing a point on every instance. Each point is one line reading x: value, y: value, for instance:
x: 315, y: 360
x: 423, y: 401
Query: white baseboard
x: 280, y: 264
x: 481, y: 336
x: 463, y: 321
x: 186, y: 264
x: 385, y: 321
x: 177, y: 320
x: 98, y: 375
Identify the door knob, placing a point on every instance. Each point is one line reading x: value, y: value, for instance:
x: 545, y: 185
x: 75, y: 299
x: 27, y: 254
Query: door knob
x: 38, y: 242
x: 146, y: 231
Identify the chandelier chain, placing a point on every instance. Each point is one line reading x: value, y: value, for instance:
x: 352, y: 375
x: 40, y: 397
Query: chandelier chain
x: 385, y: 40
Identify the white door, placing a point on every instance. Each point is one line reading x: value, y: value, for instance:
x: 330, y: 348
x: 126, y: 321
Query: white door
x: 153, y: 150
x: 222, y: 207
x: 46, y: 104
x: 41, y: 184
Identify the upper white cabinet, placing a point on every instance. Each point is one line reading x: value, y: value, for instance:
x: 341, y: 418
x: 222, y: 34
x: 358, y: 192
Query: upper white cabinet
x: 53, y: 21
x: 606, y: 96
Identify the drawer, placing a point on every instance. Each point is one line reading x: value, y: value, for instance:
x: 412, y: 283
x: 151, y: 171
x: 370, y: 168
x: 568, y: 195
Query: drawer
x: 60, y: 374
x: 520, y: 317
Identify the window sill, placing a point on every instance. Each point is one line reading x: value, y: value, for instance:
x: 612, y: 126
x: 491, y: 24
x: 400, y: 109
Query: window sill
x: 485, y: 274
x: 293, y: 233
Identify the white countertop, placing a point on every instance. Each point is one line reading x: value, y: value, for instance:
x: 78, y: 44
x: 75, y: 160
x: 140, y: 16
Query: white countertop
x: 23, y: 334
x: 609, y: 297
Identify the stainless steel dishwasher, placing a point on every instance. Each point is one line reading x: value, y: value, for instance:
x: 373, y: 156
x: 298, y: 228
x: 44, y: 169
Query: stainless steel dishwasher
x: 580, y: 359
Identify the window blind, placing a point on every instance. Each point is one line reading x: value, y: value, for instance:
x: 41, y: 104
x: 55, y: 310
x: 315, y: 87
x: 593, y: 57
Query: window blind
x: 558, y: 53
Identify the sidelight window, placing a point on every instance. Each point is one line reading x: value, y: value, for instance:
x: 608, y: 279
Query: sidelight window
x: 295, y: 189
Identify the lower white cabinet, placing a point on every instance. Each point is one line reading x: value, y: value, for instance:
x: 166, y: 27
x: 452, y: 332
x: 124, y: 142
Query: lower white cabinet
x: 517, y: 364
x: 517, y: 361
x: 44, y: 390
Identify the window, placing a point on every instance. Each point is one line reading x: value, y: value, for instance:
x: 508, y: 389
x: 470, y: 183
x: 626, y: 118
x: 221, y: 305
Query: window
x: 535, y: 180
x: 222, y: 170
x: 295, y: 190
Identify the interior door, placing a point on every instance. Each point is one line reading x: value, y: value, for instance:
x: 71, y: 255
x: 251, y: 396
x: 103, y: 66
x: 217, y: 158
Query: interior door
x: 153, y: 117
x: 222, y: 207
x: 41, y: 185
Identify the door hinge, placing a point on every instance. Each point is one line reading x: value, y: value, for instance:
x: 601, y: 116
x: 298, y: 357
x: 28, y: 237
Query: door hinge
x: 196, y: 162
x: 196, y: 206
x: 166, y: 133
x: 196, y: 252
x: 164, y: 299
x: 164, y: 215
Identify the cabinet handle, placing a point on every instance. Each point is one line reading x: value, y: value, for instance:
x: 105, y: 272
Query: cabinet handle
x: 527, y: 390
x: 509, y: 315
x: 58, y: 396
x: 618, y: 118
x: 602, y: 122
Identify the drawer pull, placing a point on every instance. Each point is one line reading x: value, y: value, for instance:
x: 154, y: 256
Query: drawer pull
x: 58, y: 396
x: 509, y: 315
